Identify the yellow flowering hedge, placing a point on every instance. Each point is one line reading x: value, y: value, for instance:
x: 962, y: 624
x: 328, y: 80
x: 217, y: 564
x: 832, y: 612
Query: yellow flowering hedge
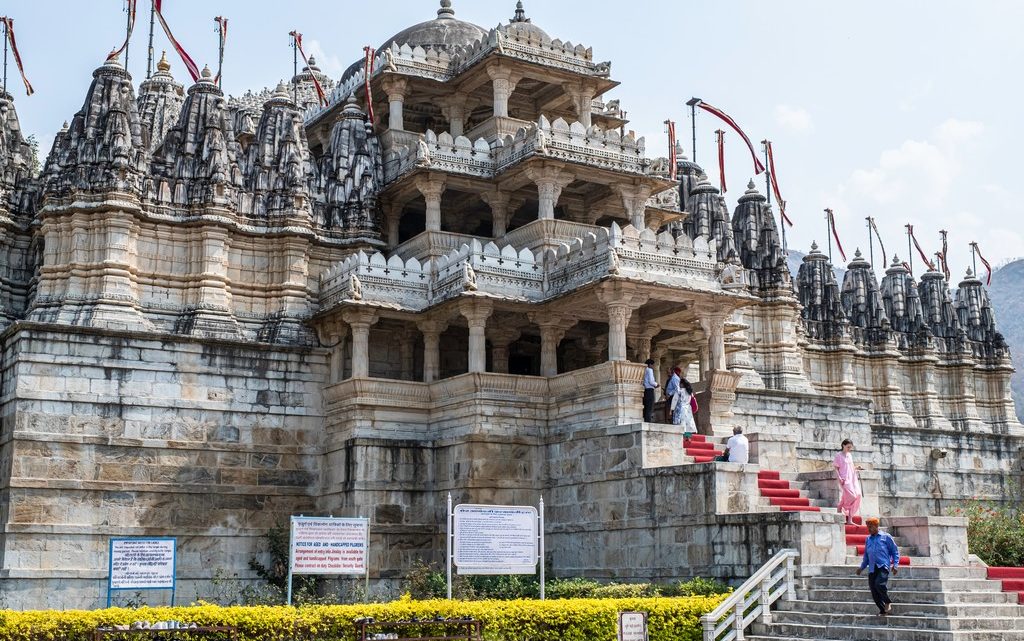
x: 670, y: 619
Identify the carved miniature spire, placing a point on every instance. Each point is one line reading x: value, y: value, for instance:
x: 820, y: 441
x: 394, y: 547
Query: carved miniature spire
x: 353, y: 174
x: 939, y: 313
x: 757, y: 242
x: 520, y: 13
x: 445, y: 12
x: 862, y: 302
x: 974, y: 311
x: 709, y: 217
x: 160, y: 102
x: 163, y: 66
x: 818, y: 291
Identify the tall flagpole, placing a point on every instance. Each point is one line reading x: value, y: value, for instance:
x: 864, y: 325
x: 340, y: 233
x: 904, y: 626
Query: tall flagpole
x: 6, y: 40
x: 974, y: 258
x: 152, y: 23
x: 767, y: 173
x: 828, y: 232
x: 295, y: 69
x: 693, y: 102
x: 910, y: 250
x: 220, y: 52
x: 128, y: 32
x: 871, y: 243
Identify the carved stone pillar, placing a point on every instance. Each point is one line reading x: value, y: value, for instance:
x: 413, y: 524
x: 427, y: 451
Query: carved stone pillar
x: 504, y: 82
x: 432, y: 188
x: 550, y: 181
x: 582, y: 96
x: 500, y: 341
x: 552, y: 331
x: 714, y: 329
x: 360, y: 321
x: 634, y: 200
x: 406, y: 341
x: 454, y: 109
x: 395, y: 87
x: 621, y: 303
x: 431, y: 330
x: 337, y: 334
x: 476, y: 313
x: 392, y: 218
x: 500, y: 211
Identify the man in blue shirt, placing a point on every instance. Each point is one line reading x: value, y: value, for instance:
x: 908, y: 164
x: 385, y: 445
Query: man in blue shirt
x: 650, y: 384
x: 880, y: 556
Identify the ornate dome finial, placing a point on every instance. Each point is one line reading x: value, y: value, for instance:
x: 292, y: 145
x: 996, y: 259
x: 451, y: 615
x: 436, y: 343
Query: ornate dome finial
x: 163, y: 66
x: 281, y: 91
x: 970, y: 273
x: 206, y: 74
x: 856, y: 253
x: 446, y: 10
x: 520, y: 13
x: 896, y: 262
x: 751, y: 186
x: 814, y: 246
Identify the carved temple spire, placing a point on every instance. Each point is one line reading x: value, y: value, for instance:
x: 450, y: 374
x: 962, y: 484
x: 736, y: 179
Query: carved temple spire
x: 103, y: 148
x: 353, y: 174
x: 903, y: 306
x: 277, y: 167
x: 939, y: 313
x: 160, y: 102
x: 862, y: 301
x: 689, y: 174
x: 198, y: 161
x: 818, y: 291
x: 974, y: 311
x: 757, y: 241
x: 16, y: 159
x: 520, y: 15
x: 709, y: 217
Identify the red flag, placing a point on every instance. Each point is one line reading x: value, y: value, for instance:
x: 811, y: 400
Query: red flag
x: 721, y: 158
x: 943, y: 258
x: 190, y: 64
x: 758, y: 167
x: 672, y: 158
x: 977, y: 250
x: 921, y: 252
x: 369, y: 52
x: 223, y: 38
x: 9, y: 28
x: 835, y: 234
x: 321, y: 97
x: 885, y: 259
x: 775, y: 183
x: 127, y: 36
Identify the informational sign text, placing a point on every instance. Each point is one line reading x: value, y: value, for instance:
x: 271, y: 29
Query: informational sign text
x: 322, y: 545
x: 142, y: 564
x: 632, y: 626
x: 495, y: 539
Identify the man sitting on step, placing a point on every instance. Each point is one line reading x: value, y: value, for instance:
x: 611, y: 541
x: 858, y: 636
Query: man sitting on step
x: 880, y: 557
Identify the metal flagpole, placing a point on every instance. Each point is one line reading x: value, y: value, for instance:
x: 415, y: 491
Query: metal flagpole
x: 693, y: 102
x: 128, y: 32
x: 152, y: 23
x: 910, y: 251
x: 448, y: 541
x: 6, y: 40
x: 974, y: 258
x: 828, y: 232
x: 767, y: 172
x: 220, y: 53
x: 871, y: 243
x: 295, y: 72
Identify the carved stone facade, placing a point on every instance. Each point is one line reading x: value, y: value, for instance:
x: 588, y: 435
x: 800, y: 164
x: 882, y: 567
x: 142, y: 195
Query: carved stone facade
x: 222, y: 311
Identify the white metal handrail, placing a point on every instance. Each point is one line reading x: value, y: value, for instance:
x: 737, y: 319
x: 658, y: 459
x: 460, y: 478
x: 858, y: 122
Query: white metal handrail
x: 753, y: 600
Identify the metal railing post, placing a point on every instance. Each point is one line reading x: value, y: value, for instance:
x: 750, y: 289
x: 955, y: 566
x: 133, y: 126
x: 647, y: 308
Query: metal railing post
x: 738, y: 620
x: 766, y: 612
x: 790, y: 579
x: 709, y: 627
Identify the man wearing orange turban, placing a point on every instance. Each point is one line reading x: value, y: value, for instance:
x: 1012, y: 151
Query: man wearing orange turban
x: 880, y: 557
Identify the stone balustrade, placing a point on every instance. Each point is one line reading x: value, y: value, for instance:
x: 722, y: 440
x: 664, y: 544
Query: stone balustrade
x: 505, y: 272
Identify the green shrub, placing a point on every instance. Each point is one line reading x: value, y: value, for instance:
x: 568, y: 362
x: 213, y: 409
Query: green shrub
x: 699, y: 587
x: 995, y: 532
x: 575, y: 588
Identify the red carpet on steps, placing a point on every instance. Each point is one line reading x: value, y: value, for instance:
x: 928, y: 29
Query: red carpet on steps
x: 700, y: 449
x: 781, y: 495
x: 1012, y: 579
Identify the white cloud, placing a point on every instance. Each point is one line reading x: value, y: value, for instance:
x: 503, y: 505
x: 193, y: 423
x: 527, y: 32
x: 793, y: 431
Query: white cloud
x: 330, y: 65
x: 795, y: 119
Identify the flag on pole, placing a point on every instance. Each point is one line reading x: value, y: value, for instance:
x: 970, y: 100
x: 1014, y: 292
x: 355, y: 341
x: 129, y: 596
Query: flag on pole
x: 9, y: 28
x: 715, y: 111
x: 921, y: 252
x: 672, y: 158
x: 943, y: 258
x: 128, y: 35
x: 320, y: 95
x: 190, y: 64
x: 222, y: 34
x: 721, y: 158
x: 977, y: 250
x: 775, y: 183
x: 835, y: 234
x: 874, y: 227
x: 369, y: 53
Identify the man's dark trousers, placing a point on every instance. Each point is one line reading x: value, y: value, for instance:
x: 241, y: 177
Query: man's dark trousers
x: 878, y: 580
x: 649, y: 405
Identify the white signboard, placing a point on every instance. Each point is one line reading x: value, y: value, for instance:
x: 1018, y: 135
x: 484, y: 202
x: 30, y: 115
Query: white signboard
x: 142, y: 564
x: 326, y: 545
x: 495, y: 539
x: 632, y: 626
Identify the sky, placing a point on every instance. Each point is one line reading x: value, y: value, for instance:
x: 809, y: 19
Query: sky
x: 906, y: 111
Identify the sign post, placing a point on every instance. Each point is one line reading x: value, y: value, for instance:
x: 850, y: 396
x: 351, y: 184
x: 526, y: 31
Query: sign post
x: 141, y: 564
x: 632, y: 626
x: 495, y: 539
x: 328, y: 545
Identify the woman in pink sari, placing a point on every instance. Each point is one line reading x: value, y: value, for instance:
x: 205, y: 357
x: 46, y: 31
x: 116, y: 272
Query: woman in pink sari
x: 849, y: 481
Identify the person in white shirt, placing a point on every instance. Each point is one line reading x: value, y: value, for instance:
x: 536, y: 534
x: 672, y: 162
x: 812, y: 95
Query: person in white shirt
x: 738, y: 447
x: 650, y: 384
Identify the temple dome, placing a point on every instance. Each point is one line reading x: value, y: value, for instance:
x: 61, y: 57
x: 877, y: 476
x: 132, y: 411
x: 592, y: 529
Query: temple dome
x: 443, y: 32
x: 520, y: 27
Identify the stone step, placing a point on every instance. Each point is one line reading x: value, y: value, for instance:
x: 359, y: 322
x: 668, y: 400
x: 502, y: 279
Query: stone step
x: 862, y: 595
x: 967, y: 610
x: 868, y: 617
x: 912, y: 572
x: 879, y: 632
x: 897, y: 583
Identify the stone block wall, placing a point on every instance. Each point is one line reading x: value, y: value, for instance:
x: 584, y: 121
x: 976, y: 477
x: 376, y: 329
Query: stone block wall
x: 113, y: 434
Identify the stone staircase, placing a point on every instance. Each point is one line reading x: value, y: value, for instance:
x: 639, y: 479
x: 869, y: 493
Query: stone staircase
x: 1011, y: 579
x: 701, y: 448
x: 930, y: 603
